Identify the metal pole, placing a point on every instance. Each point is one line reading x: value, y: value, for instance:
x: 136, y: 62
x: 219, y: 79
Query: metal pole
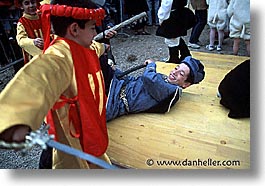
x: 121, y: 19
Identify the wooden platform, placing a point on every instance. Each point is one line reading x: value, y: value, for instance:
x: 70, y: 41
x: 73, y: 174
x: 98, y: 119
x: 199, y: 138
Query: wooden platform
x: 196, y: 132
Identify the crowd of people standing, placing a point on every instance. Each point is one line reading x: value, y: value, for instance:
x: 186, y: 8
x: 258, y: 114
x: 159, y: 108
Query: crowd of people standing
x: 223, y: 18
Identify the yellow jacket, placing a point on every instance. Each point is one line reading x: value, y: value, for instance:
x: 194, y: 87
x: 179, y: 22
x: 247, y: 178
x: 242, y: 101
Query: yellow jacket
x: 34, y: 90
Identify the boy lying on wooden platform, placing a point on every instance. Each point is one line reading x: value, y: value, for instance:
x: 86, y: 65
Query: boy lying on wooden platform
x: 152, y: 92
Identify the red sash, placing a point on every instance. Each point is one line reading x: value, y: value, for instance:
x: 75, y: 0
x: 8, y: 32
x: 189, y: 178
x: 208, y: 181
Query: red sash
x: 32, y: 27
x: 90, y: 120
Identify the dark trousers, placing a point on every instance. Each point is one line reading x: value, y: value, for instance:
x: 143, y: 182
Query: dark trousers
x: 46, y: 159
x: 201, y: 17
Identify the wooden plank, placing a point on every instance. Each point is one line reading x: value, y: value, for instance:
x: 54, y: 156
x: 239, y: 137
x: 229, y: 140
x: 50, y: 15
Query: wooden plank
x: 196, y: 132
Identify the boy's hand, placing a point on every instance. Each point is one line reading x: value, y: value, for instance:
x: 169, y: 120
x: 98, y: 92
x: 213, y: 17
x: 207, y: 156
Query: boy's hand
x: 16, y: 133
x: 38, y: 42
x: 110, y: 34
x: 148, y: 61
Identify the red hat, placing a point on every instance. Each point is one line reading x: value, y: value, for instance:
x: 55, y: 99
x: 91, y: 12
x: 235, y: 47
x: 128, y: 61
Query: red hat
x: 67, y: 11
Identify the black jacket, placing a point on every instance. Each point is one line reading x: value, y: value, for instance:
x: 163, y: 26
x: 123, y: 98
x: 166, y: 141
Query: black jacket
x: 180, y: 20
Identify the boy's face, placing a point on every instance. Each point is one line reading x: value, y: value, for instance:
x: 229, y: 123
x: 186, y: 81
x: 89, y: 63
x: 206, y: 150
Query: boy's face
x: 29, y: 6
x: 179, y: 75
x: 86, y: 35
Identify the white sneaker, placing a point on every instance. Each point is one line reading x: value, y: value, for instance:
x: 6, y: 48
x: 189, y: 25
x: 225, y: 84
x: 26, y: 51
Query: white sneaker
x: 194, y: 45
x: 210, y: 48
x: 219, y: 48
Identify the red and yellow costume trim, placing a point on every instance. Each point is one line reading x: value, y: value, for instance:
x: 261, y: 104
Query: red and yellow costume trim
x: 87, y: 111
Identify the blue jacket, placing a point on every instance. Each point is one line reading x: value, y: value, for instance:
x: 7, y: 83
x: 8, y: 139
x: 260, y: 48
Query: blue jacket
x: 148, y: 93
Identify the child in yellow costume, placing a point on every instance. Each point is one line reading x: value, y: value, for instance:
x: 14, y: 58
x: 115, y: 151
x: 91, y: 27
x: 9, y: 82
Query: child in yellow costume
x: 29, y: 29
x: 66, y: 82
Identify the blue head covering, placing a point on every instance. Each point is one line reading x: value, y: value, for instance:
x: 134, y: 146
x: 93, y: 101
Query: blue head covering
x: 196, y: 69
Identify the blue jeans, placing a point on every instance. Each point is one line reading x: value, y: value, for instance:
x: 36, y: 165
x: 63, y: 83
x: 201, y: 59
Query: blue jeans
x: 152, y: 4
x: 201, y: 16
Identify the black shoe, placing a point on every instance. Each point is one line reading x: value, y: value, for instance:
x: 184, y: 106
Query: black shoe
x: 176, y: 61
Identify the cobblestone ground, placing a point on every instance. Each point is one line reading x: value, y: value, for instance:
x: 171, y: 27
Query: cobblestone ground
x: 129, y: 50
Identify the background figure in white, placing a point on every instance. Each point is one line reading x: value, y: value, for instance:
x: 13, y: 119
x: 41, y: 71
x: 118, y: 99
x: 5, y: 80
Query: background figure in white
x: 218, y: 21
x: 239, y: 13
x: 174, y: 20
x: 153, y: 5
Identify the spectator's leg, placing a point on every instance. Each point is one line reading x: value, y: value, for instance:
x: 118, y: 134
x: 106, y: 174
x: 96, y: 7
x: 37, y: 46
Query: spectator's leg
x: 212, y: 36
x: 247, y: 42
x: 149, y: 12
x: 236, y: 46
x: 157, y: 5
